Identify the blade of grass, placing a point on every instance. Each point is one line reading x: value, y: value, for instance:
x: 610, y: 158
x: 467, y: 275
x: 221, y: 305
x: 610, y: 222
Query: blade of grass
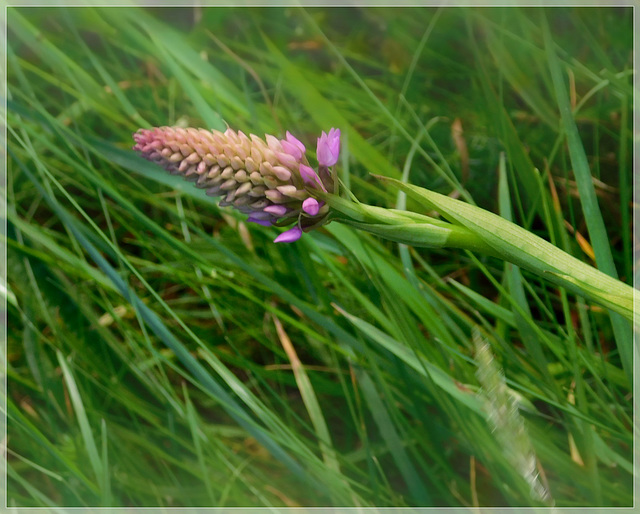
x: 588, y: 199
x: 83, y: 422
x: 196, y: 435
x: 515, y: 284
x: 394, y: 441
x: 14, y: 413
x: 417, y: 363
x: 156, y: 325
x: 309, y: 398
x: 326, y: 115
x: 178, y: 50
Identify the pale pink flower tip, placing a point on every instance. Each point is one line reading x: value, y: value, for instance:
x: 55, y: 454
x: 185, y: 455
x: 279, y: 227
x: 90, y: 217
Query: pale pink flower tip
x: 293, y: 146
x: 291, y: 139
x: 328, y: 147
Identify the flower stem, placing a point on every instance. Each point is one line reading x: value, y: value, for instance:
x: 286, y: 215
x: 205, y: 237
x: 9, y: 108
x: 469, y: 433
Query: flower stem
x: 475, y: 229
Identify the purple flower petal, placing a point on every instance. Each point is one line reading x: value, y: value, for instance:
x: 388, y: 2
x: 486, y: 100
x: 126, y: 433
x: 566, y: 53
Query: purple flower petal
x: 264, y: 223
x: 291, y: 149
x: 310, y: 177
x: 311, y: 206
x: 260, y: 215
x: 328, y: 148
x: 294, y: 141
x: 292, y: 146
x: 289, y: 236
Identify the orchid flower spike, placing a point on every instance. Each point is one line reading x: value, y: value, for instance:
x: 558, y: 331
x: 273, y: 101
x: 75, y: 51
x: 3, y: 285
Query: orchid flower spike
x: 270, y: 180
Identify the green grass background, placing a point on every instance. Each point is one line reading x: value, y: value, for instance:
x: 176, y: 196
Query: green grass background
x: 162, y: 352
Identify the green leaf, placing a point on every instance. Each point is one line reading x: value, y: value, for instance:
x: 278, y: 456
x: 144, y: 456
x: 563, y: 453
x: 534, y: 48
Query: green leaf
x: 521, y: 247
x: 589, y: 202
x: 459, y: 392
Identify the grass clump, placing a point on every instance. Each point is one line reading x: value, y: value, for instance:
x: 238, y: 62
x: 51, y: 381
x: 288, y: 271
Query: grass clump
x: 163, y: 352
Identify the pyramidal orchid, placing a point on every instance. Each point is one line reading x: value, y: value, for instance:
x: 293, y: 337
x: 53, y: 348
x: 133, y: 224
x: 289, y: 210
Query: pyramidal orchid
x: 269, y: 179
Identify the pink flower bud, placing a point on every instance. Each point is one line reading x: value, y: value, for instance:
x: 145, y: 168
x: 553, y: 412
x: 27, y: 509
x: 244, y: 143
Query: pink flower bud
x: 311, y: 206
x: 289, y: 236
x: 328, y: 148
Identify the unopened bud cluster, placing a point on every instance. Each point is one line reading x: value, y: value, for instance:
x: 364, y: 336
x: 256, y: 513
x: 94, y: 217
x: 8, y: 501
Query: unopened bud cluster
x: 268, y: 180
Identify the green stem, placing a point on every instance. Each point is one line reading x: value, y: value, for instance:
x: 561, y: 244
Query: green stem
x: 475, y: 229
x: 424, y: 235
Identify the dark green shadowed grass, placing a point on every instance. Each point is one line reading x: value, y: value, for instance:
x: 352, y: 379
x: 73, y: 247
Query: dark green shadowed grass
x: 164, y: 352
